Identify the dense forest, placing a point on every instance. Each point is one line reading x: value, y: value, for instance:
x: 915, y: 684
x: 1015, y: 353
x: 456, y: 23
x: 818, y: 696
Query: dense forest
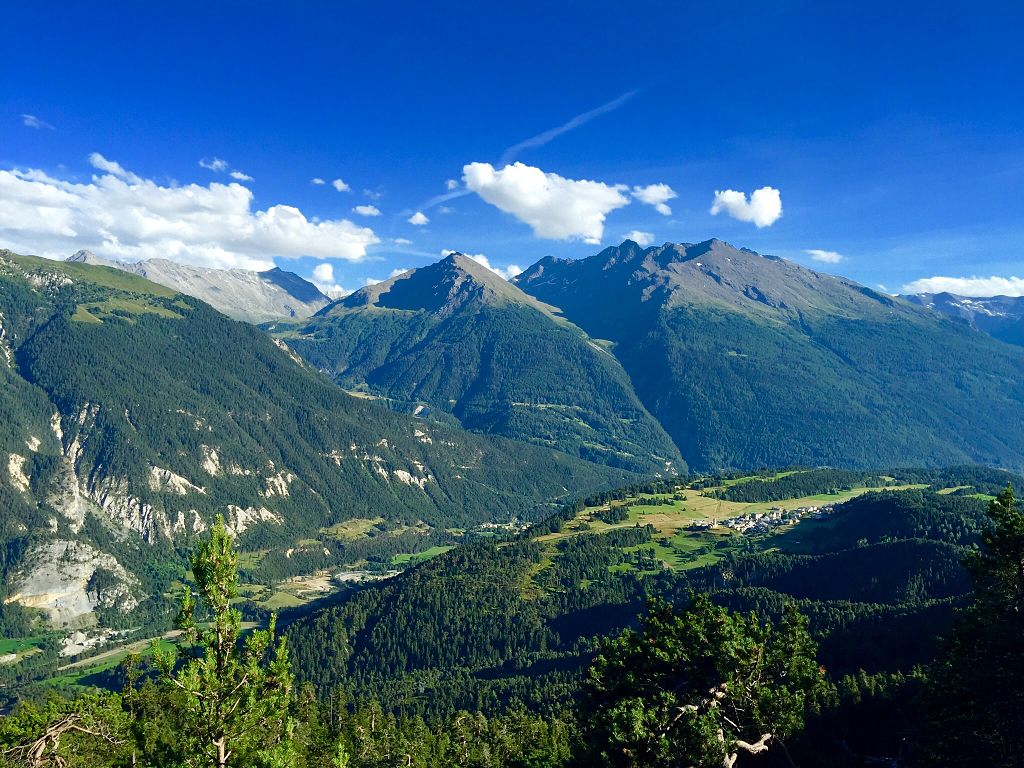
x: 482, y: 658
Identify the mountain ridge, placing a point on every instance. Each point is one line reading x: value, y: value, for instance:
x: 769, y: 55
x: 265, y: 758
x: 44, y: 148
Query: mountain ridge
x: 457, y: 338
x: 1001, y: 317
x: 241, y: 294
x: 752, y: 361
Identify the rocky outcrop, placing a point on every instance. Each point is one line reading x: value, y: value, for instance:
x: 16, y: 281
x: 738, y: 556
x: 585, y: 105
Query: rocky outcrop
x: 166, y: 481
x: 241, y: 519
x: 68, y: 580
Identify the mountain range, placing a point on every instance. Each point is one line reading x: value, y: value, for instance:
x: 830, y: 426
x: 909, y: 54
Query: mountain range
x: 255, y: 297
x: 134, y: 415
x: 1001, y: 317
x: 457, y: 338
x: 742, y: 360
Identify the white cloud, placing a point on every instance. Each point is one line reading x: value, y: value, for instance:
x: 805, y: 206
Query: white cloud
x: 763, y: 209
x: 120, y: 215
x: 323, y: 278
x: 657, y: 195
x: 827, y: 257
x: 402, y: 241
x: 968, y: 286
x: 643, y: 239
x: 506, y: 272
x: 451, y: 184
x: 32, y: 121
x: 367, y: 210
x: 239, y: 176
x: 446, y: 209
x: 317, y: 181
x: 555, y: 207
x: 397, y: 271
x: 98, y: 161
x: 341, y: 186
x: 216, y: 164
x: 418, y: 219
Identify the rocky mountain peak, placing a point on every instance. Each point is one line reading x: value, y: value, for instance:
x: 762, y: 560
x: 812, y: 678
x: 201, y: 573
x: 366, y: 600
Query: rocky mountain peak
x: 454, y: 282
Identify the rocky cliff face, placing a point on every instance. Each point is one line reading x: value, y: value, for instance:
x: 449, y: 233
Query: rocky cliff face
x: 69, y: 580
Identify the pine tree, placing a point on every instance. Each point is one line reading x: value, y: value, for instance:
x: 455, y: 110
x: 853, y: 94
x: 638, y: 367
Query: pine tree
x: 236, y: 691
x: 975, y: 701
x: 700, y: 686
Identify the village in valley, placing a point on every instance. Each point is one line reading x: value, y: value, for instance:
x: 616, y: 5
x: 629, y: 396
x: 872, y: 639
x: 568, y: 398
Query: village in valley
x: 763, y: 523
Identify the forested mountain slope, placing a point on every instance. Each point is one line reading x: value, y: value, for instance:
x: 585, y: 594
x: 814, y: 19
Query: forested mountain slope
x: 134, y: 415
x: 457, y: 338
x: 750, y: 360
x: 490, y: 627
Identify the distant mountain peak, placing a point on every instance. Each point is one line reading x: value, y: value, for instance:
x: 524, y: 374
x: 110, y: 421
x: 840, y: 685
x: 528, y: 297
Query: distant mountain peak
x: 443, y: 287
x: 243, y: 294
x: 88, y: 257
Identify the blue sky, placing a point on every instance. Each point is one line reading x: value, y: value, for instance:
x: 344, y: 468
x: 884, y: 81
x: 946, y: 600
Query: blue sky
x: 892, y: 138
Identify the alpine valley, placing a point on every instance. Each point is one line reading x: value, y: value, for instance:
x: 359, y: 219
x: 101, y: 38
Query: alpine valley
x: 643, y: 424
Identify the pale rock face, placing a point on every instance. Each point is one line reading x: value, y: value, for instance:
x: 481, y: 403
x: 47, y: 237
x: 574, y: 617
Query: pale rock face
x: 211, y: 461
x: 182, y: 525
x: 55, y: 426
x: 239, y: 520
x: 277, y: 485
x: 410, y: 479
x: 33, y: 443
x: 55, y: 575
x: 48, y: 281
x: 288, y: 351
x: 5, y: 346
x: 167, y: 481
x: 129, y: 512
x: 16, y: 472
x: 67, y: 497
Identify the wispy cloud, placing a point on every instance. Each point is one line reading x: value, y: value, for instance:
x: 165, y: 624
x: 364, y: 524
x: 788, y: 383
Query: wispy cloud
x: 216, y: 164
x: 541, y: 139
x: 367, y: 210
x: 341, y: 186
x: 33, y: 121
x: 240, y: 176
x: 455, y: 191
